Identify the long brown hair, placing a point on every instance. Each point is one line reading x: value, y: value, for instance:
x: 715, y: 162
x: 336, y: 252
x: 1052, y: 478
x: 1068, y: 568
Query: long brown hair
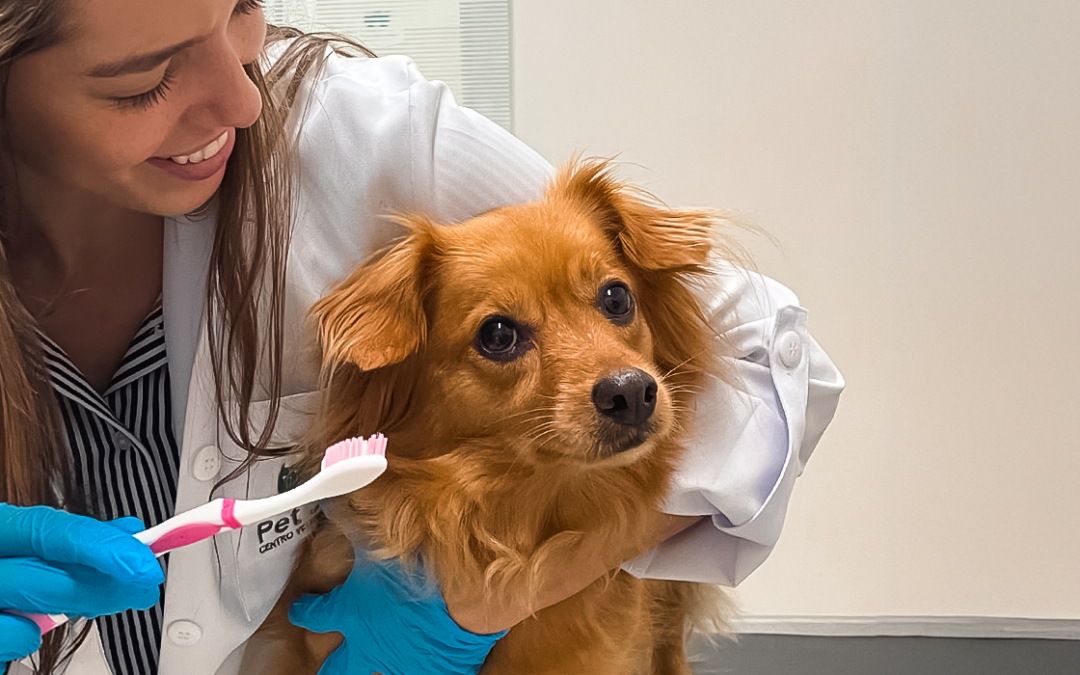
x: 34, y: 464
x: 245, y: 285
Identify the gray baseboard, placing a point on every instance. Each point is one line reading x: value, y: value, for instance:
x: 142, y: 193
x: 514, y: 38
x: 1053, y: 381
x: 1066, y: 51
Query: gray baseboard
x: 911, y: 626
x: 755, y: 654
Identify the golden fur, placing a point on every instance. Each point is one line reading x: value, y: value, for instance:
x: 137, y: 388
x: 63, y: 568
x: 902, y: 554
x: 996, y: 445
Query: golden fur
x: 499, y: 469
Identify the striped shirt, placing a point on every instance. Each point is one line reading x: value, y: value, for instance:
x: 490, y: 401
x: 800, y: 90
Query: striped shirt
x: 126, y: 456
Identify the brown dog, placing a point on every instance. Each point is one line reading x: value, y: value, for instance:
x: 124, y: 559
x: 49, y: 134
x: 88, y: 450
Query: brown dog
x: 533, y: 370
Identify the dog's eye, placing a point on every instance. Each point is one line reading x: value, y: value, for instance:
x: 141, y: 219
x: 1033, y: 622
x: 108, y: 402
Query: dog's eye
x: 501, y: 339
x: 616, y: 303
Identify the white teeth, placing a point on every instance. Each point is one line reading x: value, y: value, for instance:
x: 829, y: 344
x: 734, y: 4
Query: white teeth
x: 204, y: 154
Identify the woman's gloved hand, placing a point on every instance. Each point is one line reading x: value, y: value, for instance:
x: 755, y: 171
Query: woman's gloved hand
x: 394, y: 623
x: 53, y: 562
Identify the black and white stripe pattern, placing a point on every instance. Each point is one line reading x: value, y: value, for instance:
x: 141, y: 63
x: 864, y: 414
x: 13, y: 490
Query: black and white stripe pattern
x: 126, y: 456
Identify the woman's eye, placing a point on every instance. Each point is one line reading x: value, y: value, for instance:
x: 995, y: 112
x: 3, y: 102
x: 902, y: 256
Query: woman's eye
x: 501, y: 339
x: 616, y: 303
x: 248, y: 6
x: 147, y: 99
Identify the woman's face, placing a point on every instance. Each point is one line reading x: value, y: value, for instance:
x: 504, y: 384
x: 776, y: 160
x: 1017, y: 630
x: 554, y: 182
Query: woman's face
x: 137, y: 106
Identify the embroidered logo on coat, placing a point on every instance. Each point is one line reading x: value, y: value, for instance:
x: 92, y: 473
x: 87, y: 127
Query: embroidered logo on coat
x: 287, y: 479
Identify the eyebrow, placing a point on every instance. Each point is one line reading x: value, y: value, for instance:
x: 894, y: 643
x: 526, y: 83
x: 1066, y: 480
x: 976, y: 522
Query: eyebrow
x: 141, y: 63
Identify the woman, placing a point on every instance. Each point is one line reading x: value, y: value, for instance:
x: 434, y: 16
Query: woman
x: 161, y: 164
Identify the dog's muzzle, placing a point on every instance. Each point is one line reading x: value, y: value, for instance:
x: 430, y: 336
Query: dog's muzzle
x: 628, y: 398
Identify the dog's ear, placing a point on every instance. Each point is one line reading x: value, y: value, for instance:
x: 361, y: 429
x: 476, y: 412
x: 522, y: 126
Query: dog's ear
x: 665, y: 247
x: 376, y: 317
x: 646, y: 234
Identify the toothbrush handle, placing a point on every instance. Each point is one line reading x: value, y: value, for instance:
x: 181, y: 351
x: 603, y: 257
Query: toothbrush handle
x: 191, y: 526
x: 200, y: 523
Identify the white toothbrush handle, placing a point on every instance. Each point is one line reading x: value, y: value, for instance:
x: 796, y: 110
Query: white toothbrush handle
x: 199, y: 523
x: 208, y: 519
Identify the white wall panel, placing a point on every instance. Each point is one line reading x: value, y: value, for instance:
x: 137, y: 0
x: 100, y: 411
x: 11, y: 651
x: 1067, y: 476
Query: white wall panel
x: 919, y: 163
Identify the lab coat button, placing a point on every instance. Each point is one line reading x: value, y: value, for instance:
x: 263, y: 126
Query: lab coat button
x: 206, y: 464
x: 184, y: 633
x: 789, y: 347
x: 121, y: 441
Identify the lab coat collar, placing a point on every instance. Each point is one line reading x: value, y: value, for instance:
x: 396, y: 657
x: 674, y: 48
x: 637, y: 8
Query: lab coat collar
x: 188, y: 242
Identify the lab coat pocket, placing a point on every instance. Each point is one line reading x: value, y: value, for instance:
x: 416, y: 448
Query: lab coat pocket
x: 260, y: 556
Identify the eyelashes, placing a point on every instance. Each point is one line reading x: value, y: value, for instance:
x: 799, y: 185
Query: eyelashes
x: 248, y: 6
x: 150, y: 98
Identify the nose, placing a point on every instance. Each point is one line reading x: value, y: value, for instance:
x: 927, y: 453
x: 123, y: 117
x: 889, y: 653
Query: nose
x: 229, y: 97
x: 628, y: 396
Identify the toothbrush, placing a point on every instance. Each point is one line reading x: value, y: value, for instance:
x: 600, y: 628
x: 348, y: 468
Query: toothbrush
x: 346, y: 466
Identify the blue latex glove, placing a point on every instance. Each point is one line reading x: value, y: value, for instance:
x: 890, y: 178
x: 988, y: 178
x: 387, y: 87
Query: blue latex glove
x: 53, y: 562
x: 394, y: 623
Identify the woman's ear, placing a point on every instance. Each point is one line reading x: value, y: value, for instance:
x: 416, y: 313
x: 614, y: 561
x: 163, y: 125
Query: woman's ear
x: 376, y: 317
x: 647, y: 235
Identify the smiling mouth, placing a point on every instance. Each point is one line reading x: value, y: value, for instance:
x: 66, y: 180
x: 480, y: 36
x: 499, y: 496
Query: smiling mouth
x: 201, y: 155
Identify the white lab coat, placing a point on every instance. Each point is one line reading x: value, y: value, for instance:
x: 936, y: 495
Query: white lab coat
x: 377, y: 138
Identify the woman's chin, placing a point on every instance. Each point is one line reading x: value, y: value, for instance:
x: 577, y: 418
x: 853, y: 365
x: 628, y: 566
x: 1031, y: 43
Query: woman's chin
x: 177, y: 202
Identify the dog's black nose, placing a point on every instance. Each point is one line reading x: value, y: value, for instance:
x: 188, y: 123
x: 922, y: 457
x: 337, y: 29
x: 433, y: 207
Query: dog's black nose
x: 627, y: 396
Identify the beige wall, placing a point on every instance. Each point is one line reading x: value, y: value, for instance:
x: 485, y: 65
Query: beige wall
x: 919, y: 163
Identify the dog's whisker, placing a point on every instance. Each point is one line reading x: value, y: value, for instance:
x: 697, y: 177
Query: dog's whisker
x: 686, y: 389
x: 540, y: 434
x: 541, y: 423
x: 552, y: 429
x: 540, y: 417
x: 525, y: 415
x: 675, y: 369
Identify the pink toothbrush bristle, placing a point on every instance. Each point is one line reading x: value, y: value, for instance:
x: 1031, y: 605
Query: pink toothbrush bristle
x: 354, y: 447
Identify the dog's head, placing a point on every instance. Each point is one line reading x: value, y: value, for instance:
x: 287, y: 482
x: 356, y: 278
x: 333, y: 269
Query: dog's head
x: 561, y: 328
